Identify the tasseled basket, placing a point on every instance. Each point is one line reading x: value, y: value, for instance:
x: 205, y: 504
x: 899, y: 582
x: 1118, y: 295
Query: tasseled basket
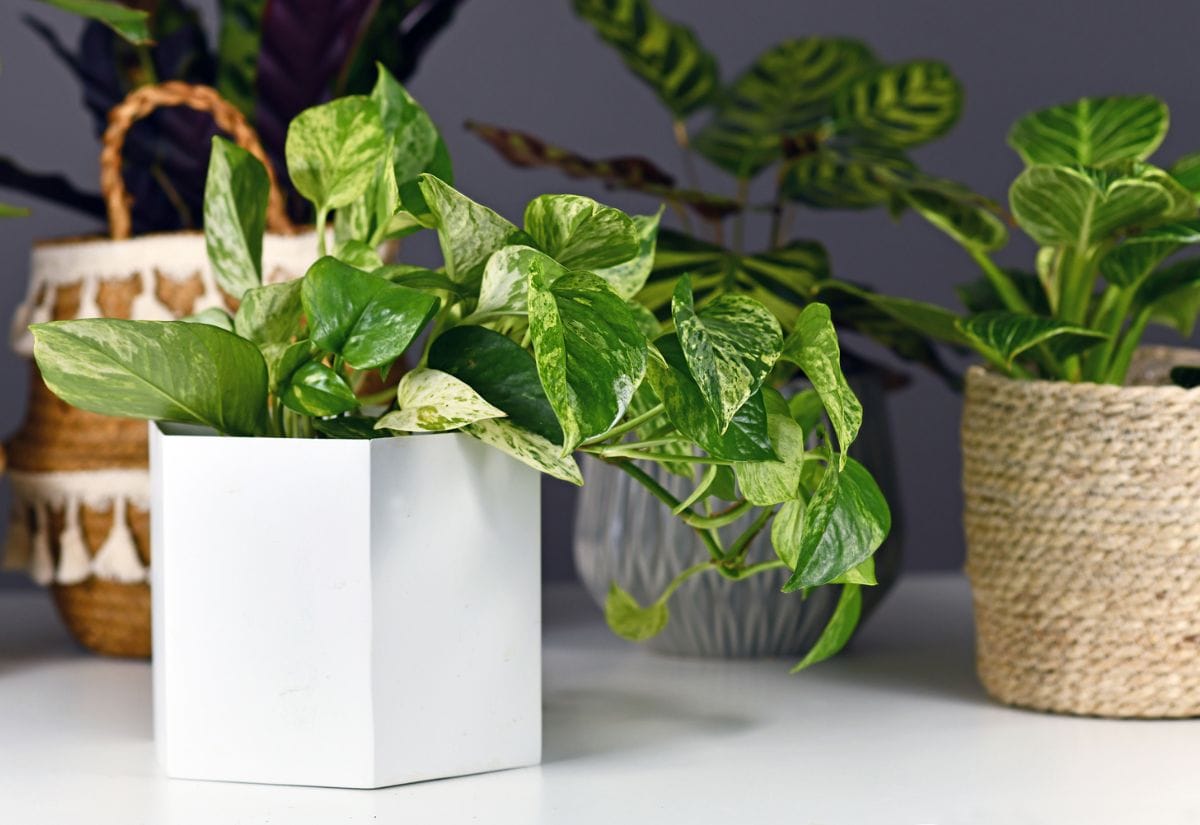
x: 80, y: 521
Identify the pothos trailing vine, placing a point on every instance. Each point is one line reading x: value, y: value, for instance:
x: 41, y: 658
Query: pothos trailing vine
x: 526, y: 338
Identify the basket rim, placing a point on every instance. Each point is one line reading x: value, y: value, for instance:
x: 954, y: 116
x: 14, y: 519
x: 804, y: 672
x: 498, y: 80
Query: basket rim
x: 983, y: 377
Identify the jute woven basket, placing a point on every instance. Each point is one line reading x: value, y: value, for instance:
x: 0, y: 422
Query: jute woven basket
x: 1082, y: 517
x: 80, y: 511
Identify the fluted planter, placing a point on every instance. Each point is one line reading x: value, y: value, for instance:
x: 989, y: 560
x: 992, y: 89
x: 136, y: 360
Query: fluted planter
x: 624, y: 534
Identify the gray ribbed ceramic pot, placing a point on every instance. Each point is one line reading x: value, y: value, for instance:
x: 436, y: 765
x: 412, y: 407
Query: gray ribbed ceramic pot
x: 624, y: 534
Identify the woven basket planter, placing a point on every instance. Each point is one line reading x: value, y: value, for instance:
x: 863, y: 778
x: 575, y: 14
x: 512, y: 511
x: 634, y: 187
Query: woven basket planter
x: 80, y: 521
x: 1082, y: 516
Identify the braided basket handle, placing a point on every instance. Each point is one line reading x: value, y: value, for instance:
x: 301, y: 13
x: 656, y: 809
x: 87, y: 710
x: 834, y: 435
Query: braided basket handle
x: 144, y: 100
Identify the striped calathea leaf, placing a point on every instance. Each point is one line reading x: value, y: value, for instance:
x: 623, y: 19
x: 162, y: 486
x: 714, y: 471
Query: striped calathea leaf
x: 665, y: 55
x: 1092, y: 132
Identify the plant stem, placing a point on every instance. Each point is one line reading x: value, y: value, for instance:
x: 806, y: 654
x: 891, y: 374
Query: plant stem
x: 685, y: 147
x: 664, y: 495
x: 706, y: 481
x: 761, y: 567
x: 384, y: 396
x: 1003, y: 285
x: 739, y: 220
x: 1133, y: 336
x: 631, y: 424
x: 322, y: 220
x: 620, y: 451
x: 681, y: 578
x: 741, y: 546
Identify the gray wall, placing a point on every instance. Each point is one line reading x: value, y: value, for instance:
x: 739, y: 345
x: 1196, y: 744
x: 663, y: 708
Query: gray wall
x: 530, y: 64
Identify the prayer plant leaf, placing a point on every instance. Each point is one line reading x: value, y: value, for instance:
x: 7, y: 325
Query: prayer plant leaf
x: 788, y: 90
x: 845, y: 520
x: 9, y: 211
x: 928, y: 319
x: 333, y: 150
x: 629, y: 620
x: 813, y: 347
x: 580, y: 233
x: 1091, y: 131
x: 1172, y: 295
x: 745, y: 439
x: 901, y: 106
x: 854, y: 177
x: 528, y: 448
x: 838, y: 630
x: 235, y: 215
x: 1059, y: 205
x: 666, y: 56
x: 467, y: 232
x: 958, y: 213
x: 730, y: 346
x: 1138, y: 255
x: 166, y: 371
x: 315, y: 389
x: 1003, y: 336
x: 501, y: 371
x: 1186, y: 170
x: 435, y: 401
x: 366, y: 319
x: 590, y: 352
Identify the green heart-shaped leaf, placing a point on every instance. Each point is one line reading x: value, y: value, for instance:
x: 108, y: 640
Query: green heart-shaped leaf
x: 270, y: 314
x: 362, y: 317
x: 627, y: 278
x: 467, y: 232
x: 315, y: 389
x: 501, y: 371
x: 730, y: 346
x: 528, y: 448
x: 766, y: 483
x: 1063, y: 206
x: 844, y: 522
x: 162, y: 371
x: 1091, y: 131
x: 838, y: 630
x: 333, y: 150
x: 590, y: 353
x: 745, y: 439
x: 505, y: 283
x: 235, y: 215
x: 580, y: 233
x: 813, y: 347
x: 435, y: 401
x: 630, y: 620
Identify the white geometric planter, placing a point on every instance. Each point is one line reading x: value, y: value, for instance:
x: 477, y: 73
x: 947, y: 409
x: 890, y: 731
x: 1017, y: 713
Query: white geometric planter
x: 344, y: 613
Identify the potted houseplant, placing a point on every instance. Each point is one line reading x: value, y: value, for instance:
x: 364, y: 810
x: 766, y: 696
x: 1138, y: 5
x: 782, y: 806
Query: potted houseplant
x: 158, y: 91
x: 833, y: 125
x: 335, y: 580
x: 1083, y: 533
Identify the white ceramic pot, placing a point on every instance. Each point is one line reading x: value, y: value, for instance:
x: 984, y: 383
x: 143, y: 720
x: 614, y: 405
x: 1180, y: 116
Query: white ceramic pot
x: 343, y: 613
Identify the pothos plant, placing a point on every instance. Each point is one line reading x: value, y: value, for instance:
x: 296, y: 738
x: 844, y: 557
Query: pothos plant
x: 269, y: 59
x: 1107, y: 223
x: 525, y: 338
x: 827, y: 119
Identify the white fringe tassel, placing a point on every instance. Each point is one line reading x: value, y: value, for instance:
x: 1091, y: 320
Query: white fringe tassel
x: 117, y: 559
x: 74, y: 561
x: 41, y: 565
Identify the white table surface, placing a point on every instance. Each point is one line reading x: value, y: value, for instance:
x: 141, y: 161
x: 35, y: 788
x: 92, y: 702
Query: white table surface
x: 896, y: 731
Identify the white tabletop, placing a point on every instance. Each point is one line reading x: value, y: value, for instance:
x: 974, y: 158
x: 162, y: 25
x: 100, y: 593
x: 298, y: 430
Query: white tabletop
x: 895, y: 731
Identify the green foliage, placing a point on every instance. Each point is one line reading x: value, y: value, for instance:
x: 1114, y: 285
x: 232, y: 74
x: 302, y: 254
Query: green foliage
x: 665, y: 55
x: 1107, y: 223
x: 525, y: 339
x: 131, y: 24
x: 235, y: 216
